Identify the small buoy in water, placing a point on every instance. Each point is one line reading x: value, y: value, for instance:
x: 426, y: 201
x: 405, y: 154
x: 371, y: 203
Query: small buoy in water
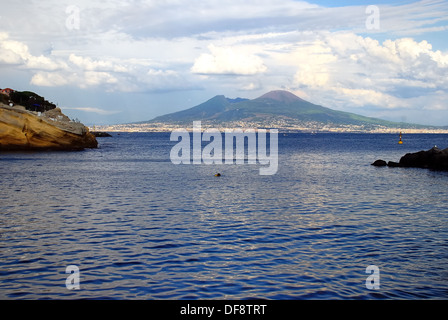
x: 400, y: 142
x: 217, y: 175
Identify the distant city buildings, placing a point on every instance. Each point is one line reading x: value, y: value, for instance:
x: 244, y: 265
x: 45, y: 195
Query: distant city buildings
x: 282, y: 125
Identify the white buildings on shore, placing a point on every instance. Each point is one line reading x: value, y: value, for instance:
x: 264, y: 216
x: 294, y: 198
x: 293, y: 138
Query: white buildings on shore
x: 281, y: 125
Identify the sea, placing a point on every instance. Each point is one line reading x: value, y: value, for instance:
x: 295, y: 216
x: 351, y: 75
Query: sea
x: 123, y: 222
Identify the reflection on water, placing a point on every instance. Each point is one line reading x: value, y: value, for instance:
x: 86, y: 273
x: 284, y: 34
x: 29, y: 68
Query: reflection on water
x: 139, y: 227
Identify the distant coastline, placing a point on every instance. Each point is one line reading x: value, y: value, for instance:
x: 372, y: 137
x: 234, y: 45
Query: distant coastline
x: 166, y: 127
x: 278, y: 109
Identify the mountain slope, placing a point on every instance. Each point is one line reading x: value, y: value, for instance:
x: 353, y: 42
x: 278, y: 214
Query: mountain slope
x: 206, y: 110
x: 269, y: 107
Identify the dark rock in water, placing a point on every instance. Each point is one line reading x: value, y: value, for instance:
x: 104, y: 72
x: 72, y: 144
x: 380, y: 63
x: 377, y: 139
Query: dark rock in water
x: 432, y: 159
x: 379, y: 163
x: 393, y: 164
x: 101, y: 134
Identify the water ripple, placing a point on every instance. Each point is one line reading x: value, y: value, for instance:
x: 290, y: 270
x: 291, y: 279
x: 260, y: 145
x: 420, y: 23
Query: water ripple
x: 139, y: 227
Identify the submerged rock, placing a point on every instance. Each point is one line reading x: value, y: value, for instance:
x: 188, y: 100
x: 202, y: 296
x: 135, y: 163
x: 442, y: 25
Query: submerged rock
x: 52, y: 130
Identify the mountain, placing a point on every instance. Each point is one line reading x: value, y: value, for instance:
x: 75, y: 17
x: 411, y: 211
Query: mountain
x: 271, y: 109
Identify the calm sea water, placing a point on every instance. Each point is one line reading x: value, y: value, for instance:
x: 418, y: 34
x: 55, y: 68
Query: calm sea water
x: 139, y: 227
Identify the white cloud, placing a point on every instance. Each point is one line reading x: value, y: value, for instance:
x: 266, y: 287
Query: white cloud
x: 136, y: 80
x: 94, y: 78
x: 44, y: 63
x: 313, y: 61
x: 325, y: 54
x: 356, y: 71
x: 95, y: 110
x: 50, y: 79
x: 16, y: 52
x: 63, y: 68
x: 251, y: 86
x: 87, y: 63
x: 229, y: 60
x: 81, y: 79
x: 362, y: 97
x: 12, y: 52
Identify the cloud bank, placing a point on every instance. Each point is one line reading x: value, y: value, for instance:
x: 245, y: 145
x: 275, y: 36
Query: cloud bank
x: 324, y: 54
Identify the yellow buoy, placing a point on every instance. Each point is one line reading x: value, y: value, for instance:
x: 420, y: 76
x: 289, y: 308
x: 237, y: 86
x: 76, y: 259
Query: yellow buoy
x: 217, y: 175
x: 400, y: 141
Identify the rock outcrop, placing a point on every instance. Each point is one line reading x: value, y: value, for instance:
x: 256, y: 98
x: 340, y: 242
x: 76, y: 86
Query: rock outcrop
x: 101, y: 134
x: 379, y: 163
x: 51, y: 130
x: 433, y: 158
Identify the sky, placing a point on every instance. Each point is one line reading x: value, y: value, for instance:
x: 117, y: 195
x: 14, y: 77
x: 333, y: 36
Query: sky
x: 113, y: 62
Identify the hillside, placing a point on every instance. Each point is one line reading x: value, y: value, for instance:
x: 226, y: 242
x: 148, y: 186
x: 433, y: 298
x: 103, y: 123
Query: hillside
x: 274, y: 108
x: 29, y: 100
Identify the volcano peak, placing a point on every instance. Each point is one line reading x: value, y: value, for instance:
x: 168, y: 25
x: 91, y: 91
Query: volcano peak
x: 281, y: 95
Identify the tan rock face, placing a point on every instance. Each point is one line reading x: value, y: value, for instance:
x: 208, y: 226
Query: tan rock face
x: 22, y: 130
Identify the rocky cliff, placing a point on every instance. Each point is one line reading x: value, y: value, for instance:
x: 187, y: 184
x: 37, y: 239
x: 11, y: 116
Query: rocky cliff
x: 51, y: 130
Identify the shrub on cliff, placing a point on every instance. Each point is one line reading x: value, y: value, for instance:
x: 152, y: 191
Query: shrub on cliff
x: 31, y: 101
x: 4, y: 99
